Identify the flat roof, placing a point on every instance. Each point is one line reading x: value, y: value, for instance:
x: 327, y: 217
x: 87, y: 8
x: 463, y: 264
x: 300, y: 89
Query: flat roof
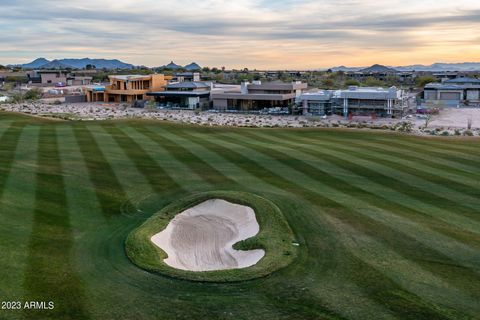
x: 276, y: 85
x: 253, y: 96
x: 463, y: 80
x: 96, y: 88
x: 129, y: 77
x: 322, y: 95
x: 368, y: 93
x: 52, y: 71
x: 178, y: 93
x: 187, y: 85
x: 441, y: 86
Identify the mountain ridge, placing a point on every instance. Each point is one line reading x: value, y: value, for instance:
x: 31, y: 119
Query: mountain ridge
x: 75, y: 63
x: 437, y: 66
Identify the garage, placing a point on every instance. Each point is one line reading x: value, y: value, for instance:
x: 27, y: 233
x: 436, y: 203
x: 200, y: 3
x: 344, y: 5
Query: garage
x: 450, y: 96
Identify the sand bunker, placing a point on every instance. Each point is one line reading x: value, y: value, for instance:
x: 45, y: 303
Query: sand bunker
x: 201, y: 238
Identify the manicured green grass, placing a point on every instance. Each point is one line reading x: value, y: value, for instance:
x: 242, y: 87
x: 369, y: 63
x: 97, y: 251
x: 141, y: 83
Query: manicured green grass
x: 388, y: 225
x: 275, y: 238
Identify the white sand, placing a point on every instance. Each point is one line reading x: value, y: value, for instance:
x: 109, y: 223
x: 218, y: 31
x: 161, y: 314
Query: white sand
x: 201, y: 238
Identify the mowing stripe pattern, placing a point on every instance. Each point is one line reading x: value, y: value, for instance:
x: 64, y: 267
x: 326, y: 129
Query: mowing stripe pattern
x: 388, y: 226
x: 50, y: 274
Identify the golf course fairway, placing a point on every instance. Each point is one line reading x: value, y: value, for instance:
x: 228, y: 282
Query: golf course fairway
x: 383, y: 226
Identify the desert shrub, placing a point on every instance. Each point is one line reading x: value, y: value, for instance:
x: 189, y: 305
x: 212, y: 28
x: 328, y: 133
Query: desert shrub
x: 17, y: 97
x: 33, y: 94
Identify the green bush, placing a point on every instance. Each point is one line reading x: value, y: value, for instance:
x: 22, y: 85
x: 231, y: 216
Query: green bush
x: 352, y: 83
x: 33, y: 94
x: 424, y: 80
x: 17, y: 97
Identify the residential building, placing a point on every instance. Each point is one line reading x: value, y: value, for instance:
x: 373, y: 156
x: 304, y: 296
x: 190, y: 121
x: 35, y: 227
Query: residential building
x: 53, y: 76
x: 64, y: 77
x: 356, y: 101
x: 184, y: 95
x: 74, y: 80
x: 383, y: 102
x: 127, y: 88
x: 9, y: 74
x: 186, y: 76
x: 317, y: 103
x: 258, y: 96
x: 453, y: 92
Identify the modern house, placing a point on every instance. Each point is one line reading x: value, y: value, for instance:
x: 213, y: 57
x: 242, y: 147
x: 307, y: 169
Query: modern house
x: 184, y: 95
x: 53, y: 76
x: 356, y: 101
x: 369, y: 101
x: 453, y: 93
x: 127, y: 88
x: 75, y: 80
x: 63, y: 77
x: 317, y: 103
x: 186, y: 76
x: 254, y: 97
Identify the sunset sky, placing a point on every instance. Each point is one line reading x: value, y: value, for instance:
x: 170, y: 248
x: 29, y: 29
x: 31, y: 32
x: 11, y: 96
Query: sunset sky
x: 297, y: 34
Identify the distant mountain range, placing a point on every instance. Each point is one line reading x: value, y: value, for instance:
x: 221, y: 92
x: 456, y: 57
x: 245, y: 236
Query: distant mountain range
x: 190, y: 67
x: 42, y: 63
x: 193, y: 66
x: 378, y: 68
x: 35, y: 63
x: 464, y: 66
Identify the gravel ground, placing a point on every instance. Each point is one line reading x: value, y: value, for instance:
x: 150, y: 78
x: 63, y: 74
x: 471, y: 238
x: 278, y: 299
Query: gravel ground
x: 448, y: 122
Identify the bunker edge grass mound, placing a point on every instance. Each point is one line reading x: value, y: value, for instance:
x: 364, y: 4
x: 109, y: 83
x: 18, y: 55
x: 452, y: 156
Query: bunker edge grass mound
x: 275, y: 238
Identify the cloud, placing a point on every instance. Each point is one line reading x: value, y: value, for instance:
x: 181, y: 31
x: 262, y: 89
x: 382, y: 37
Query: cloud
x: 273, y: 34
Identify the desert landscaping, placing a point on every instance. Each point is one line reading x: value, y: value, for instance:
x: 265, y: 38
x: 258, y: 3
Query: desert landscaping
x: 201, y: 238
x: 449, y: 122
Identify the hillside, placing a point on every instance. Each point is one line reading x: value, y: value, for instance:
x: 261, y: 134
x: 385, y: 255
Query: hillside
x: 42, y: 63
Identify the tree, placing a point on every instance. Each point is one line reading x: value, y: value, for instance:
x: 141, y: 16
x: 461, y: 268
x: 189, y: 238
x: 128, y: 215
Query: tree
x: 99, y: 77
x: 372, y: 82
x: 8, y: 86
x: 33, y: 94
x: 328, y: 83
x: 424, y: 80
x: 16, y: 79
x: 17, y: 97
x: 245, y: 78
x: 352, y: 82
x: 428, y: 118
